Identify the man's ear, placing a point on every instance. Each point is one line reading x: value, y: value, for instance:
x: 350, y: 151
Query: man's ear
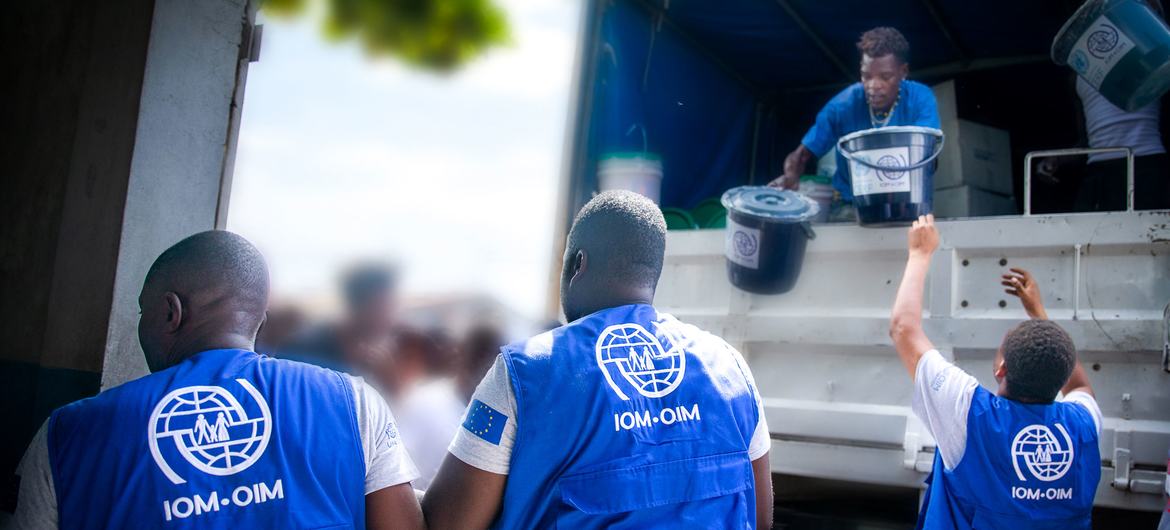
x: 905, y: 70
x: 580, y: 263
x: 174, y: 312
x: 1001, y: 370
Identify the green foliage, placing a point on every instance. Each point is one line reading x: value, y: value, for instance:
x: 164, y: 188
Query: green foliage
x: 433, y: 34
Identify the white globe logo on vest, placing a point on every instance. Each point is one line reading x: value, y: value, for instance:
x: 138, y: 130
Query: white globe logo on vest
x: 1041, y: 452
x: 639, y: 358
x: 209, y: 427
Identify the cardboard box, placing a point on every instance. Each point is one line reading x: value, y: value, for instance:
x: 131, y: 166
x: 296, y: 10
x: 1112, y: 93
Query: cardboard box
x: 969, y: 201
x: 974, y: 154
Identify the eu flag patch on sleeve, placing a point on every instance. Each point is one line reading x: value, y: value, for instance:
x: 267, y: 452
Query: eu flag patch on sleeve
x: 485, y: 422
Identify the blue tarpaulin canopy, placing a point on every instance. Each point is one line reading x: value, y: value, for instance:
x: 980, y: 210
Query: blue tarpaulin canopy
x: 710, y: 86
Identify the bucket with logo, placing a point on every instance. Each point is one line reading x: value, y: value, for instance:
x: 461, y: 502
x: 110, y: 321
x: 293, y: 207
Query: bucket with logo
x: 1120, y: 47
x: 766, y: 235
x: 892, y: 171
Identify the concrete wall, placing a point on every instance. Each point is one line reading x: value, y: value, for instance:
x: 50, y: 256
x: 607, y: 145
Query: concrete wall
x: 181, y: 150
x: 121, y: 122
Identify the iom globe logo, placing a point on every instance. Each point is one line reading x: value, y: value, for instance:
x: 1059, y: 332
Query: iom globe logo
x: 638, y: 358
x: 891, y: 165
x: 1102, y: 41
x: 1042, y: 453
x: 209, y: 429
x: 745, y: 243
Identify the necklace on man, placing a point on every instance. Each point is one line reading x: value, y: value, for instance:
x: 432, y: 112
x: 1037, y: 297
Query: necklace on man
x: 885, y: 117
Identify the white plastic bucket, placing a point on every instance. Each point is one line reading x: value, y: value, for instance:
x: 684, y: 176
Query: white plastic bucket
x: 637, y: 172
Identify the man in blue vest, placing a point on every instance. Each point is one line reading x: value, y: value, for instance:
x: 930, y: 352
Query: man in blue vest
x: 1015, y: 459
x: 622, y: 418
x: 218, y: 436
x: 883, y: 97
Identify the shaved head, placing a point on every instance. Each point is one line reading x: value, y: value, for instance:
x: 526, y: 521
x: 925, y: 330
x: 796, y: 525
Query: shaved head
x: 207, y: 291
x: 614, y: 253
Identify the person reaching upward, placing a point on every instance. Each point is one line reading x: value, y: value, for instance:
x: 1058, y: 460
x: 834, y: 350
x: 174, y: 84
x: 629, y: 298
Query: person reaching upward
x: 1016, y: 458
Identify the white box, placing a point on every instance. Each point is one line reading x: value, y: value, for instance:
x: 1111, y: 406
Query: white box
x: 969, y: 201
x: 974, y: 154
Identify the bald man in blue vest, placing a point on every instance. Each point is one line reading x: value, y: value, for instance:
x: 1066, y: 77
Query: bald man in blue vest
x: 218, y: 436
x: 622, y: 418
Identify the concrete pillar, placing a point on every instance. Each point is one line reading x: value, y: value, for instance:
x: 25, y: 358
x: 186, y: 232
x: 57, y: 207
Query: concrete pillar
x: 122, y: 123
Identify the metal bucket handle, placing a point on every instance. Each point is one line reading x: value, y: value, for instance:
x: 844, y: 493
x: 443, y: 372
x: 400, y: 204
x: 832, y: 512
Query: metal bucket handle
x: 808, y: 230
x: 849, y: 156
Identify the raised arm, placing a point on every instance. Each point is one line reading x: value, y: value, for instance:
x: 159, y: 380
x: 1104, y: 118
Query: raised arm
x: 1021, y: 284
x: 906, y: 318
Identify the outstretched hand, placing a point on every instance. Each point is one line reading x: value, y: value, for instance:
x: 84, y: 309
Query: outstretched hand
x: 923, y: 238
x: 1022, y: 285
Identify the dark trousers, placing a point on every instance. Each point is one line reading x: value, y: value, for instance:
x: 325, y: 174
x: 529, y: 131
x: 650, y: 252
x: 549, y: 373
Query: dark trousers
x: 1103, y: 188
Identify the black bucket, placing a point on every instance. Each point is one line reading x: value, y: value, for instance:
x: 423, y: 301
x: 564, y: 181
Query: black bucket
x: 767, y: 231
x: 892, y: 172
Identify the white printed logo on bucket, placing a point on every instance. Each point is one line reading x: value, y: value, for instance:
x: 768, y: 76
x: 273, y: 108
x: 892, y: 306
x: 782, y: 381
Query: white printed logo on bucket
x: 1102, y: 41
x: 1098, y: 50
x: 868, y: 181
x: 743, y: 245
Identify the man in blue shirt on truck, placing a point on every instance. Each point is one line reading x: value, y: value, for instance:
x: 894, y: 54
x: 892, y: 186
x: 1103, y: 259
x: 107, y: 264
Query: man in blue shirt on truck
x: 1016, y: 458
x: 883, y: 97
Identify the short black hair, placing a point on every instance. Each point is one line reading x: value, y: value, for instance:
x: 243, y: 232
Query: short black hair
x: 882, y: 41
x: 1039, y: 356
x: 624, y: 235
x: 366, y: 281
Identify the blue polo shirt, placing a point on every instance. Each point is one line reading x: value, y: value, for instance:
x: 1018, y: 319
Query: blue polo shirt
x: 848, y: 112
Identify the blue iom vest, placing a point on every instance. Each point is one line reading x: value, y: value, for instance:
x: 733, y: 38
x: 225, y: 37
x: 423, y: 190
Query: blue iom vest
x: 225, y: 439
x: 1025, y: 466
x: 628, y: 418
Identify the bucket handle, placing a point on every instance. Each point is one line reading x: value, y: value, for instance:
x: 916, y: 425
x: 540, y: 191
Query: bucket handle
x: 808, y: 230
x: 849, y: 155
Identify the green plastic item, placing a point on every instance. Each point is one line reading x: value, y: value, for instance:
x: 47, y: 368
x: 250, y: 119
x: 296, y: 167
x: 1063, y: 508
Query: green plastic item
x: 678, y: 219
x: 718, y: 221
x: 818, y: 179
x: 709, y: 211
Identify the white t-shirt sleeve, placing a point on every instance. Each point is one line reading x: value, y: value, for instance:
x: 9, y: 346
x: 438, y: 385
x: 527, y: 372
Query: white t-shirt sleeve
x: 387, y: 461
x: 761, y: 441
x: 942, y: 399
x: 36, y: 505
x: 1085, y: 400
x: 494, y: 392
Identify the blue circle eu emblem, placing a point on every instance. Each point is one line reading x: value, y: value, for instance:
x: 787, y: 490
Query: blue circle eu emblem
x: 209, y: 429
x: 639, y: 358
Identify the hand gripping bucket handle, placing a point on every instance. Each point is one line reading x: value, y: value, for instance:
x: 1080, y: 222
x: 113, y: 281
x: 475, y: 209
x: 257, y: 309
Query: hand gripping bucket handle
x: 849, y: 155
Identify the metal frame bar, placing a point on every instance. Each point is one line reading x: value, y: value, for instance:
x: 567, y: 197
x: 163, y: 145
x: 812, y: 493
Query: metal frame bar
x: 1078, y: 151
x: 816, y: 38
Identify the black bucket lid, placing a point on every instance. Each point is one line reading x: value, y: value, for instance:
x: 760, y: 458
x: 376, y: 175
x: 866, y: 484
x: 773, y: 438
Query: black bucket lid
x: 771, y: 204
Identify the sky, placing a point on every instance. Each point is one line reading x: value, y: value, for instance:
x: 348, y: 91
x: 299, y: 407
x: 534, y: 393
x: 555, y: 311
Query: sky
x: 455, y: 177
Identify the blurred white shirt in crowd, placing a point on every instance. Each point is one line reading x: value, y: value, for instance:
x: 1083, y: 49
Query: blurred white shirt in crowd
x: 428, y: 417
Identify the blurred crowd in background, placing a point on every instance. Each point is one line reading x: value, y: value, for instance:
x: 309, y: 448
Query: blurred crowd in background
x: 426, y: 363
